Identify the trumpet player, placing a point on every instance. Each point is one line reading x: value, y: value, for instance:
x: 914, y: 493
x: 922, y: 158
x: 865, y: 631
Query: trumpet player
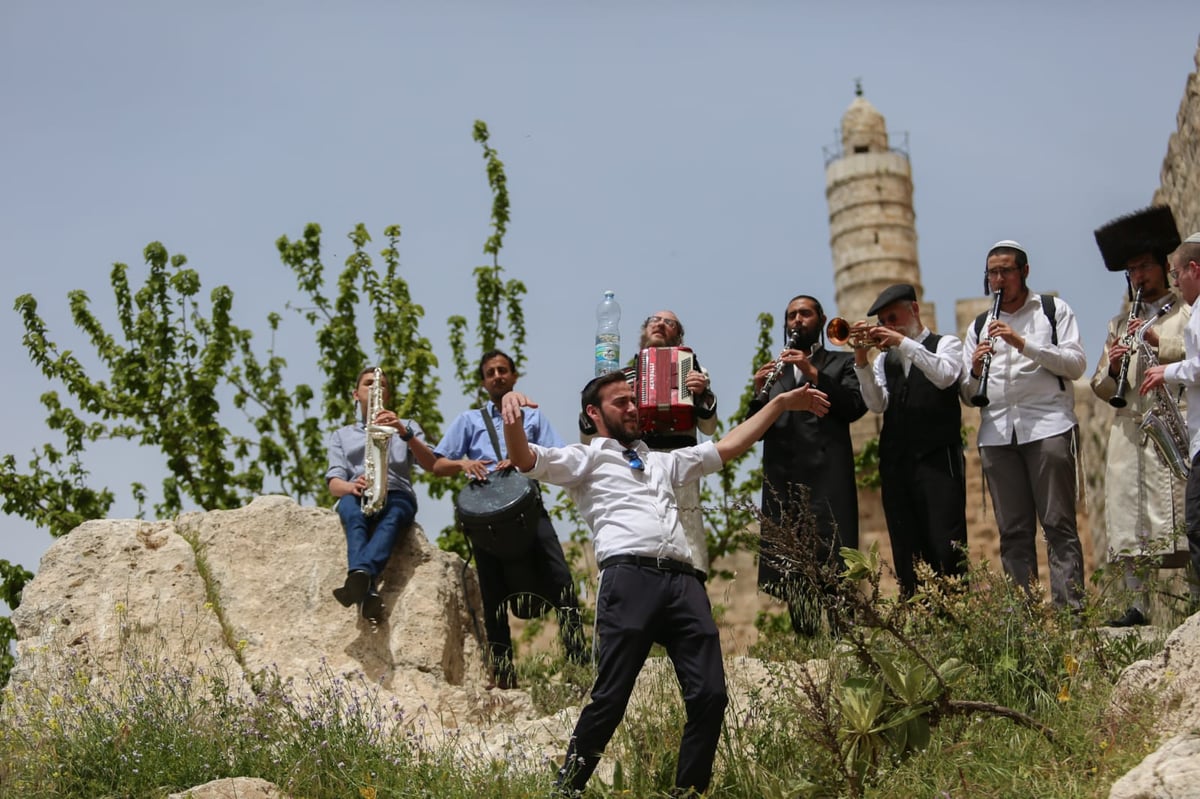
x: 1027, y: 431
x: 1143, y: 502
x: 1184, y: 265
x: 808, y: 462
x: 914, y: 383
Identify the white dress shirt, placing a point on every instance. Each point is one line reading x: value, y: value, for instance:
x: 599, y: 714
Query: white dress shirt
x: 943, y: 368
x: 1187, y: 373
x: 629, y: 511
x: 1023, y: 388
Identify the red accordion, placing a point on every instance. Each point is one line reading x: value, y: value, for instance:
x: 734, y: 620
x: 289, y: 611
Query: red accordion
x: 664, y: 403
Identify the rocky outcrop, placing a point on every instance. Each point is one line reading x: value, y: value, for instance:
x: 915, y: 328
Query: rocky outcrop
x: 248, y: 592
x: 1180, y: 176
x: 236, y: 788
x: 1172, y: 679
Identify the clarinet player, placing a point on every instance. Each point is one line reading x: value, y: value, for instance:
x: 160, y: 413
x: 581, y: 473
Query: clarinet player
x: 1143, y: 502
x: 808, y: 463
x: 1027, y: 431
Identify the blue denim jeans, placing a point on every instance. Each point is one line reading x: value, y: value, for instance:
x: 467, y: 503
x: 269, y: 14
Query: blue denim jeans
x: 370, y: 539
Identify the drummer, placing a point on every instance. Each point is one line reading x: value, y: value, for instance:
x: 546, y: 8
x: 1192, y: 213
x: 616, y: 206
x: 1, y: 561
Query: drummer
x: 467, y: 448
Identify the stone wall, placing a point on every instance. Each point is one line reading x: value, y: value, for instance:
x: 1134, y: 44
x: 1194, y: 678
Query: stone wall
x: 1180, y: 175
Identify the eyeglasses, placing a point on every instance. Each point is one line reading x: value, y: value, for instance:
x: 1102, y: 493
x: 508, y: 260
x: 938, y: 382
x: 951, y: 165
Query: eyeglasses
x: 1001, y: 272
x: 671, y: 323
x: 635, y: 461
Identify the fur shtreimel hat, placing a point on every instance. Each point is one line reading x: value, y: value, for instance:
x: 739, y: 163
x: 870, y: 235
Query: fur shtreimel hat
x: 1150, y: 230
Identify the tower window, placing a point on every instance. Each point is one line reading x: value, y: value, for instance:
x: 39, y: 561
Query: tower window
x: 861, y: 148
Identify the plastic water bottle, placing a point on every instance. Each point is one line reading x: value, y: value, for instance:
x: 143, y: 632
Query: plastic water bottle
x: 608, y: 335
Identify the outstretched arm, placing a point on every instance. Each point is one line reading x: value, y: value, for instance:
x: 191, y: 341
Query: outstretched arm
x: 514, y: 430
x: 744, y: 436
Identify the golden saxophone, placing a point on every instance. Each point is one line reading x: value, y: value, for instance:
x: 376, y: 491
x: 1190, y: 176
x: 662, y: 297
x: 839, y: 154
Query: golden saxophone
x: 1162, y: 422
x: 375, y: 458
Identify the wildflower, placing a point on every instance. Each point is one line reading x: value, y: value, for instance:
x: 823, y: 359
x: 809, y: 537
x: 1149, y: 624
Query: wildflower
x: 1064, y: 693
x: 1071, y: 665
x: 242, y: 644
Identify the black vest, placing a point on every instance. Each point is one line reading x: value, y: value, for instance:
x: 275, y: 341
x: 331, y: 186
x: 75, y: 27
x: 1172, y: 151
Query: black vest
x: 920, y: 417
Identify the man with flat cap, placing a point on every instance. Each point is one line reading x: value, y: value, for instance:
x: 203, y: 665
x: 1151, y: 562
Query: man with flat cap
x: 1143, y: 501
x: 914, y: 383
x: 1028, y: 430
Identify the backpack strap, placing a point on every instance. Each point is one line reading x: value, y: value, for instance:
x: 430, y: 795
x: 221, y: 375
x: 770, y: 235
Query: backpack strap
x: 1051, y: 312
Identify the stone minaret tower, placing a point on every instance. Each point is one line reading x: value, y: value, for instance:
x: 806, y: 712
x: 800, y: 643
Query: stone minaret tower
x: 872, y: 226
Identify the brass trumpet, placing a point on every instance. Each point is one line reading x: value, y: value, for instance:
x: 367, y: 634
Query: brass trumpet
x: 840, y: 332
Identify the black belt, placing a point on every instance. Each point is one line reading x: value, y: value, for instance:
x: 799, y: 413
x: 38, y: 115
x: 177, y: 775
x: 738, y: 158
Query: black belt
x: 662, y: 564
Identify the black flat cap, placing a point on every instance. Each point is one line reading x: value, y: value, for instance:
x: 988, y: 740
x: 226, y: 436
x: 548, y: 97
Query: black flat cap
x: 900, y: 291
x: 1151, y: 230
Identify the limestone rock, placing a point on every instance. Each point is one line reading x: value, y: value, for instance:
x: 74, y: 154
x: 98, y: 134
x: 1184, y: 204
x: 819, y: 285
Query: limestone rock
x: 1172, y: 678
x: 248, y: 592
x: 235, y: 788
x: 1172, y: 772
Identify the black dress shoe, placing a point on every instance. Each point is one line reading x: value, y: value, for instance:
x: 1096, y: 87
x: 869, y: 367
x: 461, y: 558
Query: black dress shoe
x: 1132, y: 618
x: 372, y: 607
x: 354, y: 590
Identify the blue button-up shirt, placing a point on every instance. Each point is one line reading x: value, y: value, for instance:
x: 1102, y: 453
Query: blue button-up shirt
x: 467, y: 436
x: 347, y: 451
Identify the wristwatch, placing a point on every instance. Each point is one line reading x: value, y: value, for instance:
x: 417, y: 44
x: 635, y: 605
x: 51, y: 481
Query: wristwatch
x: 407, y: 435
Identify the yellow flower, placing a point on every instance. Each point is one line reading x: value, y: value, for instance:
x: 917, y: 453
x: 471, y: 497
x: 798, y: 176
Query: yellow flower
x: 1071, y: 665
x: 242, y: 644
x: 1064, y: 693
x: 367, y: 792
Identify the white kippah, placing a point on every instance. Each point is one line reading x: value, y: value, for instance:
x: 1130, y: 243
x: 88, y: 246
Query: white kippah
x: 1192, y: 239
x: 1010, y: 244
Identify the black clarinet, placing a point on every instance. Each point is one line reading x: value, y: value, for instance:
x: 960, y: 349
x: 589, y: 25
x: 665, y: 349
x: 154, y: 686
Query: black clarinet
x: 980, y: 400
x: 1118, y: 399
x: 793, y: 343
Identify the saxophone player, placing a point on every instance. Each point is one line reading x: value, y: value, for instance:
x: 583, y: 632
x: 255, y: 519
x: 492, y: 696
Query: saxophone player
x: 370, y: 538
x: 1143, y: 502
x: 1184, y: 266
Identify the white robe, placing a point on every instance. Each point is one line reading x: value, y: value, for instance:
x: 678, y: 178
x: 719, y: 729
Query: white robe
x: 1143, y: 503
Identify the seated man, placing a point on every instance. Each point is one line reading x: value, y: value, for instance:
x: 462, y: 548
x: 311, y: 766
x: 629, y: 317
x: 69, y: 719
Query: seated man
x: 467, y: 447
x: 370, y: 536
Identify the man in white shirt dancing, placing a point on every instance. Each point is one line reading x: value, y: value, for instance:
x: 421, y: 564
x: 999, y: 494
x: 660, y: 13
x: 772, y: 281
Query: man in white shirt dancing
x: 649, y: 590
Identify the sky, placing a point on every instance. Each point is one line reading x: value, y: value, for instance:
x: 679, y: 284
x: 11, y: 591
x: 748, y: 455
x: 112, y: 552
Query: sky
x: 669, y: 151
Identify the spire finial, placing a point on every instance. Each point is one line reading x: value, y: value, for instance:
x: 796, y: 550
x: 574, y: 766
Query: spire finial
x: 858, y: 87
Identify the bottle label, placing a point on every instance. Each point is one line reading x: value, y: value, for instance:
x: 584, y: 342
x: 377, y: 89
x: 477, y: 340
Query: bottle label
x: 608, y: 352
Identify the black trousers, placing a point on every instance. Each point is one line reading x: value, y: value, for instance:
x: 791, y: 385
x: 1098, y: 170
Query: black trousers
x: 925, y: 504
x: 543, y: 579
x: 636, y: 607
x: 1192, y: 514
